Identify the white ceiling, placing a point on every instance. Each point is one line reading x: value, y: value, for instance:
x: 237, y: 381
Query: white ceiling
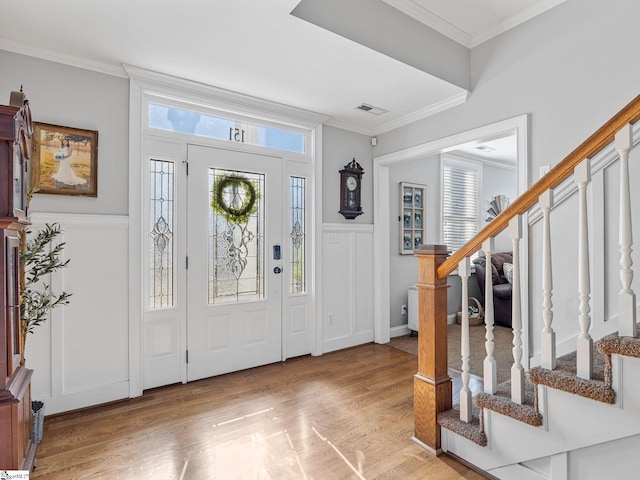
x: 501, y: 151
x: 257, y: 48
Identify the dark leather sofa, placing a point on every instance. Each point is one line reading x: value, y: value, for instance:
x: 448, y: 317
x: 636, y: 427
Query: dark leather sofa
x: 501, y: 287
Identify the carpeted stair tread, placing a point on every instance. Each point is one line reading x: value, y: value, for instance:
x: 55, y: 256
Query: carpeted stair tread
x: 628, y: 346
x: 500, y: 402
x: 564, y: 378
x: 472, y: 431
x: 614, y: 344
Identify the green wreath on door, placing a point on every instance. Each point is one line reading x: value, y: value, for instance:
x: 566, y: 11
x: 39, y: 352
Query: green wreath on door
x: 250, y: 198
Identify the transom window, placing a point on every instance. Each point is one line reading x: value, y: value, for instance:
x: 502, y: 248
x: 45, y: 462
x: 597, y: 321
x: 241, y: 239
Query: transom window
x: 173, y: 119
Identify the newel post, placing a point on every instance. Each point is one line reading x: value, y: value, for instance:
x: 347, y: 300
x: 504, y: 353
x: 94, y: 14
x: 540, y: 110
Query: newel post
x: 432, y: 384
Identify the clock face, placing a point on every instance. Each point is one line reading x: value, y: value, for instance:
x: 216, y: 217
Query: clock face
x: 352, y: 183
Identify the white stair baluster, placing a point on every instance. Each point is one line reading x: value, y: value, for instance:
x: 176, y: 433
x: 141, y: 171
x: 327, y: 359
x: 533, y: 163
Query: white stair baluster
x: 489, y: 366
x: 584, y: 347
x: 626, y: 296
x: 517, y: 371
x: 547, y: 335
x: 465, y: 349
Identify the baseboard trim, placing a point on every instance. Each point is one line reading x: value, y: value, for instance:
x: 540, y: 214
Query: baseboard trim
x: 67, y: 402
x: 471, y: 466
x: 400, y: 331
x: 432, y: 451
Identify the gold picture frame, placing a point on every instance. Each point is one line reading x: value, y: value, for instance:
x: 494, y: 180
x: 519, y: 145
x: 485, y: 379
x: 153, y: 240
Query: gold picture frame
x: 64, y: 160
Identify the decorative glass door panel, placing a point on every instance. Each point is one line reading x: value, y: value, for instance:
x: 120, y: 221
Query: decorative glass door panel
x: 236, y: 245
x: 234, y: 285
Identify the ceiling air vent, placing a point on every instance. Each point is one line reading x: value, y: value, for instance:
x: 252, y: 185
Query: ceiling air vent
x: 371, y: 109
x: 485, y: 148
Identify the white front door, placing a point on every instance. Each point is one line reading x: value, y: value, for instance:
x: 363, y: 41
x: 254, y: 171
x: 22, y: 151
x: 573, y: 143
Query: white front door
x: 234, y: 285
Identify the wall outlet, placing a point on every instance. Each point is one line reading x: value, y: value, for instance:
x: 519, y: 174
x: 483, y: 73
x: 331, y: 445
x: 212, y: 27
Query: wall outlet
x: 403, y: 310
x: 330, y: 319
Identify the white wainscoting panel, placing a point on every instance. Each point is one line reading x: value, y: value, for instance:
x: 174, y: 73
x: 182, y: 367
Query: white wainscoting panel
x: 80, y: 356
x: 347, y: 279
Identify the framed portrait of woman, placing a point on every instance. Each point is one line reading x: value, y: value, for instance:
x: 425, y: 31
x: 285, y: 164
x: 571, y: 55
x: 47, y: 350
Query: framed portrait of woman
x: 64, y: 160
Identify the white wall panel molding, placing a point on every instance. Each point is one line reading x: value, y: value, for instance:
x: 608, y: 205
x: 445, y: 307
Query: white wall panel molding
x: 80, y: 355
x: 79, y: 219
x: 347, y: 277
x: 346, y: 227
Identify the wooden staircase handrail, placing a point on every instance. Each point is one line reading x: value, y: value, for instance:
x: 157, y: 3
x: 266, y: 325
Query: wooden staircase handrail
x: 630, y: 114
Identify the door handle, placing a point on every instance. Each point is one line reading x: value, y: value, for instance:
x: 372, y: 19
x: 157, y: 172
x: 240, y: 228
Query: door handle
x: 277, y: 270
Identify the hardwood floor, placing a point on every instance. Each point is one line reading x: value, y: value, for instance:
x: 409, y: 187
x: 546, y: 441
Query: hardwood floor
x: 344, y: 415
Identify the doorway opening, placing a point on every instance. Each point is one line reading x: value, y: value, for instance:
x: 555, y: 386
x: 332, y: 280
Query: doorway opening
x: 384, y: 217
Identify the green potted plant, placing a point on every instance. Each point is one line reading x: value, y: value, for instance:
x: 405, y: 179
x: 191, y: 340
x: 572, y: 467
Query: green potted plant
x: 40, y: 256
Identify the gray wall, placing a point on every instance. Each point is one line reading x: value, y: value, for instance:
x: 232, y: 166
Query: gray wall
x: 339, y: 147
x: 571, y: 68
x: 73, y: 97
x: 404, y: 268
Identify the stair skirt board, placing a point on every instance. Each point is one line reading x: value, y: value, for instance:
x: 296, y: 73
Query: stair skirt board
x: 517, y: 471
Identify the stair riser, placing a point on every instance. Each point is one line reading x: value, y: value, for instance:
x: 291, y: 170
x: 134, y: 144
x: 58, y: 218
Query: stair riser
x: 625, y: 380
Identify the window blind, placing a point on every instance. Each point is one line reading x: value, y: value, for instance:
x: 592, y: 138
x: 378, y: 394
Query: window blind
x: 460, y: 193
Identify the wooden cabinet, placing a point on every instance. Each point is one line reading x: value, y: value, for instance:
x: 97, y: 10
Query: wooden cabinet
x: 17, y: 452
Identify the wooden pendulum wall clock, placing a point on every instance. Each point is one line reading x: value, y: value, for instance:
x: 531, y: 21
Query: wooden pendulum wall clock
x: 17, y: 451
x: 350, y: 190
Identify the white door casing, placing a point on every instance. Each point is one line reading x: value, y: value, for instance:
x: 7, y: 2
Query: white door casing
x: 157, y: 337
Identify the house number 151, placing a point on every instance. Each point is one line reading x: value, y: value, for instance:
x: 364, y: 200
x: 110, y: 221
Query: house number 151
x: 236, y: 135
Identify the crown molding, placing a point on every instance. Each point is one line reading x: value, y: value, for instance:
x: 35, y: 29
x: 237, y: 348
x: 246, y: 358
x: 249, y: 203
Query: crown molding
x: 515, y: 20
x: 425, y: 112
x: 331, y: 122
x: 412, y: 117
x: 39, y: 51
x: 431, y: 20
